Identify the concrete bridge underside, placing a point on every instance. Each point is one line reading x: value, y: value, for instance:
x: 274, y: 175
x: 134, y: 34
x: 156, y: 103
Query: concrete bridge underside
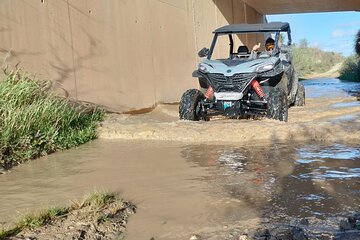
x: 302, y: 6
x: 127, y: 54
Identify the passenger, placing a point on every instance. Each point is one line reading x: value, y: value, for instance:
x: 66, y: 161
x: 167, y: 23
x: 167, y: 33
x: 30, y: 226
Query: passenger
x: 269, y: 47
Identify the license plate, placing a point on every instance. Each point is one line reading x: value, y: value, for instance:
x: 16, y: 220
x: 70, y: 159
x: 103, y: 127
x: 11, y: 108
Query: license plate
x: 233, y: 96
x: 228, y: 104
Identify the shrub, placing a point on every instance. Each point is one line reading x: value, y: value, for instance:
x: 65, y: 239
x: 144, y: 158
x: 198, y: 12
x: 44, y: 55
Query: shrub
x: 350, y: 69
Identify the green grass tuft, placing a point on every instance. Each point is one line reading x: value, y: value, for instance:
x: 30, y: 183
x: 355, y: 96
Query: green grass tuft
x: 40, y: 219
x: 35, y: 122
x: 6, y: 233
x: 31, y: 221
x: 99, y: 199
x: 96, y: 199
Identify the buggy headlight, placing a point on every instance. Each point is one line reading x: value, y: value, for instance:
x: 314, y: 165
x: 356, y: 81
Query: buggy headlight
x: 202, y: 68
x: 265, y: 68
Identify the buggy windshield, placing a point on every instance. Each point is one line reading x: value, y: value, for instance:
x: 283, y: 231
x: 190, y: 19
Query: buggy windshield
x: 237, y: 40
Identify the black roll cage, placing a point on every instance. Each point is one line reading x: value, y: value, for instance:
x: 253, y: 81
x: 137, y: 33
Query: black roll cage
x: 231, y: 40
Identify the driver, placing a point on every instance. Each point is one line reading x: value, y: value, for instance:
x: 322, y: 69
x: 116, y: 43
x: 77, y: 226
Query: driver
x: 269, y: 47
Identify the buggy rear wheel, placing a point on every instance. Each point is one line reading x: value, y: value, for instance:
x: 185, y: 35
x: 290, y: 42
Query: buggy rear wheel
x: 300, y: 96
x: 277, y: 105
x: 189, y: 108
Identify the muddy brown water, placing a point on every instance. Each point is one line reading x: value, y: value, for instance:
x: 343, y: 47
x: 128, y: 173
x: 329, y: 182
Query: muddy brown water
x: 331, y: 114
x: 191, y: 186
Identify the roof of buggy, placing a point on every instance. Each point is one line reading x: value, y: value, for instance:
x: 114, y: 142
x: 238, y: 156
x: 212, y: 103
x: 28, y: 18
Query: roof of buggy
x: 259, y: 27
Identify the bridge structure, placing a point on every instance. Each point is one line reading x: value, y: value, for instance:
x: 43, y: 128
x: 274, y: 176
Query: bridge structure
x: 127, y: 54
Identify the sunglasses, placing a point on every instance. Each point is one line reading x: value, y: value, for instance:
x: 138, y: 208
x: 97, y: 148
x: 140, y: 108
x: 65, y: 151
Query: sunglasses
x: 270, y: 46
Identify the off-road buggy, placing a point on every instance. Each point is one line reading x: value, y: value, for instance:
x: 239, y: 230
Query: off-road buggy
x: 242, y: 86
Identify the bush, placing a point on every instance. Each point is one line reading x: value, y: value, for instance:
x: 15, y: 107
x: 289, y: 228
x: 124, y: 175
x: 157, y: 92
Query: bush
x: 350, y: 69
x: 35, y: 122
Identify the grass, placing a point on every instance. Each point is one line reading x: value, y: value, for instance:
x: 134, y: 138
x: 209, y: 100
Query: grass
x: 96, y: 200
x: 35, y: 122
x: 41, y: 218
x: 31, y: 221
x: 5, y: 233
x: 99, y: 199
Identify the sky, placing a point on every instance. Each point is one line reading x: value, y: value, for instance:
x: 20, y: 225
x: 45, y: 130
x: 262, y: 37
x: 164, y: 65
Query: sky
x: 333, y: 31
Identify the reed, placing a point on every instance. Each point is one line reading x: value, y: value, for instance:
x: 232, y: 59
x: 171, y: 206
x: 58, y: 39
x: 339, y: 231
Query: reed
x: 34, y: 121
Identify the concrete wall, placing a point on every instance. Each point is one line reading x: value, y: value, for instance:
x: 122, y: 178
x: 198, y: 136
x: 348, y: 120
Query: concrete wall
x: 122, y: 54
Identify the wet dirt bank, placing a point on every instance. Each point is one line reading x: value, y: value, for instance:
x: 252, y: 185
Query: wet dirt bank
x: 99, y: 216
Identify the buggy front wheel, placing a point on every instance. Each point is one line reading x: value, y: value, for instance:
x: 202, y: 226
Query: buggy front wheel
x: 277, y: 105
x: 189, y: 108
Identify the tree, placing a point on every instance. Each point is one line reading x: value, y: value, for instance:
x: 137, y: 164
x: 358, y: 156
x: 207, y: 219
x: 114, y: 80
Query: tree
x: 357, y: 43
x: 303, y: 43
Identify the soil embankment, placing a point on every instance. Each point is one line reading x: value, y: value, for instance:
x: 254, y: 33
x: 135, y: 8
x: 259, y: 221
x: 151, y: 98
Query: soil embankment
x: 100, y: 216
x: 331, y: 73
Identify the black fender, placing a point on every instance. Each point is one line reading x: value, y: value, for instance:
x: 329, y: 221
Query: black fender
x: 197, y: 74
x: 203, y: 80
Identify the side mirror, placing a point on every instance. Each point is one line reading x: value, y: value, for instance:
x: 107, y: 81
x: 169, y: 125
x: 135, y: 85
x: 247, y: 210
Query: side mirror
x: 203, y: 52
x: 285, y: 49
x: 285, y: 53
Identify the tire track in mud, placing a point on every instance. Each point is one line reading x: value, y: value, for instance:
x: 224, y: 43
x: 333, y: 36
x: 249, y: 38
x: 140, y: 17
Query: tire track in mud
x: 336, y: 119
